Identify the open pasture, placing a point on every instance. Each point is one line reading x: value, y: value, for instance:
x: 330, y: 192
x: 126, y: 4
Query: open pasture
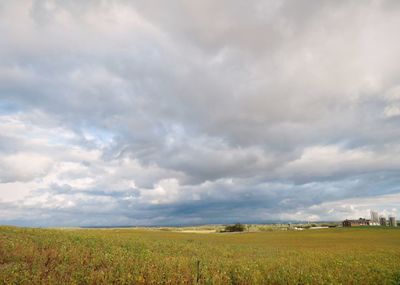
x: 146, y: 256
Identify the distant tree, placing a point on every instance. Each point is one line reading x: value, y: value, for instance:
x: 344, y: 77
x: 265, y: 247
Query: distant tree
x: 235, y: 228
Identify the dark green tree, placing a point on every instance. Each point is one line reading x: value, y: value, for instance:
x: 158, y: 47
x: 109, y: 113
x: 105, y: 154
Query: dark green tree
x: 235, y: 228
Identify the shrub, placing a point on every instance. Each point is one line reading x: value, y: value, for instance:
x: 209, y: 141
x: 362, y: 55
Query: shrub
x: 234, y: 228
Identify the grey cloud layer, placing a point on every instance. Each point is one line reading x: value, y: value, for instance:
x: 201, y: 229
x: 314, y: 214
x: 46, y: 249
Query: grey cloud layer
x: 166, y: 112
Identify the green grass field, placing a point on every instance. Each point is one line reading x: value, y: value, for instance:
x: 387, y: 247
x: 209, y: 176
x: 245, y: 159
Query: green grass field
x: 140, y: 256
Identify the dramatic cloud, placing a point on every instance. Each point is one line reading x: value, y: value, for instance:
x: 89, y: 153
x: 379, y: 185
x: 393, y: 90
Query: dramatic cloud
x: 173, y: 112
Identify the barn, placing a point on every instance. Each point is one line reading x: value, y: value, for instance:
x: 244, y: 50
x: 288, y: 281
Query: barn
x: 356, y: 223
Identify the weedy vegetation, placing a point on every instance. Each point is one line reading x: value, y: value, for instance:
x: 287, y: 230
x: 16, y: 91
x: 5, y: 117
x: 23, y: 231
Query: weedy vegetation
x: 148, y: 256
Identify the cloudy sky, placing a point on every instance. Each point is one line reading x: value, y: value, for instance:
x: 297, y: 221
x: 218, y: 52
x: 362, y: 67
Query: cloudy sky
x: 190, y: 112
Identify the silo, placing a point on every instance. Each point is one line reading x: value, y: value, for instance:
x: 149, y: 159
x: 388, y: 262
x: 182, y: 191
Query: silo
x: 374, y: 218
x: 382, y: 221
x: 392, y: 221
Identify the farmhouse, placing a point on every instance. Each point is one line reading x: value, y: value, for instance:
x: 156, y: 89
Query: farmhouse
x: 356, y: 223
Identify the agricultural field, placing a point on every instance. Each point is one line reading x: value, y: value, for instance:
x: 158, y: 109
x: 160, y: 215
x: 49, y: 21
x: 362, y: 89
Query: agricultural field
x: 153, y: 256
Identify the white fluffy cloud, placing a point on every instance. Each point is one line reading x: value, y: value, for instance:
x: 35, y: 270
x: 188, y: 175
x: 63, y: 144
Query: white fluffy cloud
x: 119, y: 112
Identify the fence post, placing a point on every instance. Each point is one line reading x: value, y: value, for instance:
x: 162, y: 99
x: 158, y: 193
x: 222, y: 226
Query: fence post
x: 197, y: 271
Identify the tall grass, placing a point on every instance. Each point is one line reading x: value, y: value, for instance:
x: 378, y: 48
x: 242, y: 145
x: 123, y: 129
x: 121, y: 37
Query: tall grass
x: 127, y: 256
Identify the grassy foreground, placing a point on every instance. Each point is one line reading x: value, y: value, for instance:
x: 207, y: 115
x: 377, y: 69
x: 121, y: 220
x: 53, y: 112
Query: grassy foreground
x: 129, y: 256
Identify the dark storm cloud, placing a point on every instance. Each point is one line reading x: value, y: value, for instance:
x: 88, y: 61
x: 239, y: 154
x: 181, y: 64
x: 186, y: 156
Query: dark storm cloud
x: 167, y: 112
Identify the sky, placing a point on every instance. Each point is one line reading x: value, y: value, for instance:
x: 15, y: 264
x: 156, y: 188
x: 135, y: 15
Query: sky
x: 197, y: 112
